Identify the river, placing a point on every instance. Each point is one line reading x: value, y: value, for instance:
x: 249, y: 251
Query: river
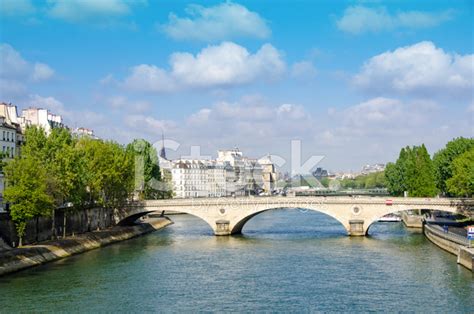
x: 287, y: 260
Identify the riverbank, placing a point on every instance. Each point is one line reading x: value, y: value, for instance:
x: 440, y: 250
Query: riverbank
x: 32, y: 255
x: 451, y: 243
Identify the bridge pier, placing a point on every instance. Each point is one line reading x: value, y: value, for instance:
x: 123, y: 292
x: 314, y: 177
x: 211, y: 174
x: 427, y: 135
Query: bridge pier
x: 356, y: 227
x: 222, y: 227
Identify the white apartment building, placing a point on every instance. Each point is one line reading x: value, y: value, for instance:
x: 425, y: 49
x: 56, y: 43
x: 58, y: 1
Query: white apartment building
x: 189, y: 179
x: 8, y: 140
x: 42, y: 118
x: 216, y: 179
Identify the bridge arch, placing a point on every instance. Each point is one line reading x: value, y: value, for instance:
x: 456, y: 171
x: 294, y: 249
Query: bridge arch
x: 129, y: 220
x: 393, y: 210
x: 130, y: 217
x: 239, y: 225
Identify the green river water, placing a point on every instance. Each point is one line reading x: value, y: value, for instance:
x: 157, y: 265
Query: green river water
x: 286, y: 260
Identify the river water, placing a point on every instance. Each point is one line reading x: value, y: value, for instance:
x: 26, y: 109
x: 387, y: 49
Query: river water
x: 287, y: 260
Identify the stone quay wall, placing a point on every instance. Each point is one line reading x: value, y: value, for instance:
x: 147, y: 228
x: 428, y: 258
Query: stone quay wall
x: 41, y: 228
x: 451, y: 243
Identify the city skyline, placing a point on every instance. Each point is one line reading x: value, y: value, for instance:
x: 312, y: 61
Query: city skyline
x: 354, y: 81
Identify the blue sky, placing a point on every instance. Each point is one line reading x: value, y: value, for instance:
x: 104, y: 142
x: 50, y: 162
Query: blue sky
x: 353, y: 80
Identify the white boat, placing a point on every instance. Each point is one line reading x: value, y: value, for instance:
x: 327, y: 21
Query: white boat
x: 390, y: 218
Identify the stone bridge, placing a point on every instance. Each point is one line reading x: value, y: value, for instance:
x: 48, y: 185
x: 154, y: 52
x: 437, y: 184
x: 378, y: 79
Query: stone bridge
x: 228, y: 215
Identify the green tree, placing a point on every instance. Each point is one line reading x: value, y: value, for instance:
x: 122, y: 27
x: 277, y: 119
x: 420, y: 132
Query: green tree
x: 35, y: 143
x: 443, y: 160
x: 421, y: 182
x: 370, y: 181
x: 461, y: 182
x: 3, y: 161
x: 148, y: 181
x: 110, y: 170
x: 380, y: 179
x: 412, y: 172
x: 395, y: 173
x: 58, y: 170
x: 26, y: 191
x: 324, y: 181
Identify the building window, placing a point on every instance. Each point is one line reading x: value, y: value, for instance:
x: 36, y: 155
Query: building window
x: 3, y: 135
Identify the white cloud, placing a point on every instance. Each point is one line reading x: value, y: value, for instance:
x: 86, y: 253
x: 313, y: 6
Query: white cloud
x: 375, y: 130
x: 360, y: 19
x: 290, y: 111
x: 108, y: 79
x: 71, y: 117
x: 11, y: 88
x: 381, y: 119
x: 149, y: 78
x: 221, y: 22
x: 16, y: 72
x: 16, y: 7
x: 149, y: 124
x: 201, y: 117
x: 41, y: 72
x: 303, y: 70
x: 374, y: 111
x: 50, y: 103
x: 223, y: 65
x: 123, y: 103
x: 470, y: 108
x: 249, y: 118
x: 12, y: 65
x: 420, y: 69
x: 79, y: 10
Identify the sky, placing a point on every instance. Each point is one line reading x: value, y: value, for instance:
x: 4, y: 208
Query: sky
x: 354, y: 81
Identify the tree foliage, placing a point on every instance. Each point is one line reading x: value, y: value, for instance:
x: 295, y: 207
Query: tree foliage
x: 412, y: 172
x: 366, y: 181
x: 108, y: 175
x: 443, y: 160
x: 461, y: 183
x: 148, y: 181
x: 27, y: 191
x: 60, y: 170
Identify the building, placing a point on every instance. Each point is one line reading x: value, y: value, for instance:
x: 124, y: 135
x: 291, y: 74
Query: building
x: 372, y: 168
x: 216, y: 179
x: 231, y: 174
x: 8, y: 140
x: 83, y: 132
x: 190, y: 179
x: 269, y: 175
x: 42, y: 118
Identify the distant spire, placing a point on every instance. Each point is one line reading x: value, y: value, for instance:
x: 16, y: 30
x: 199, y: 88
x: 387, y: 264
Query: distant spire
x: 162, y: 150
